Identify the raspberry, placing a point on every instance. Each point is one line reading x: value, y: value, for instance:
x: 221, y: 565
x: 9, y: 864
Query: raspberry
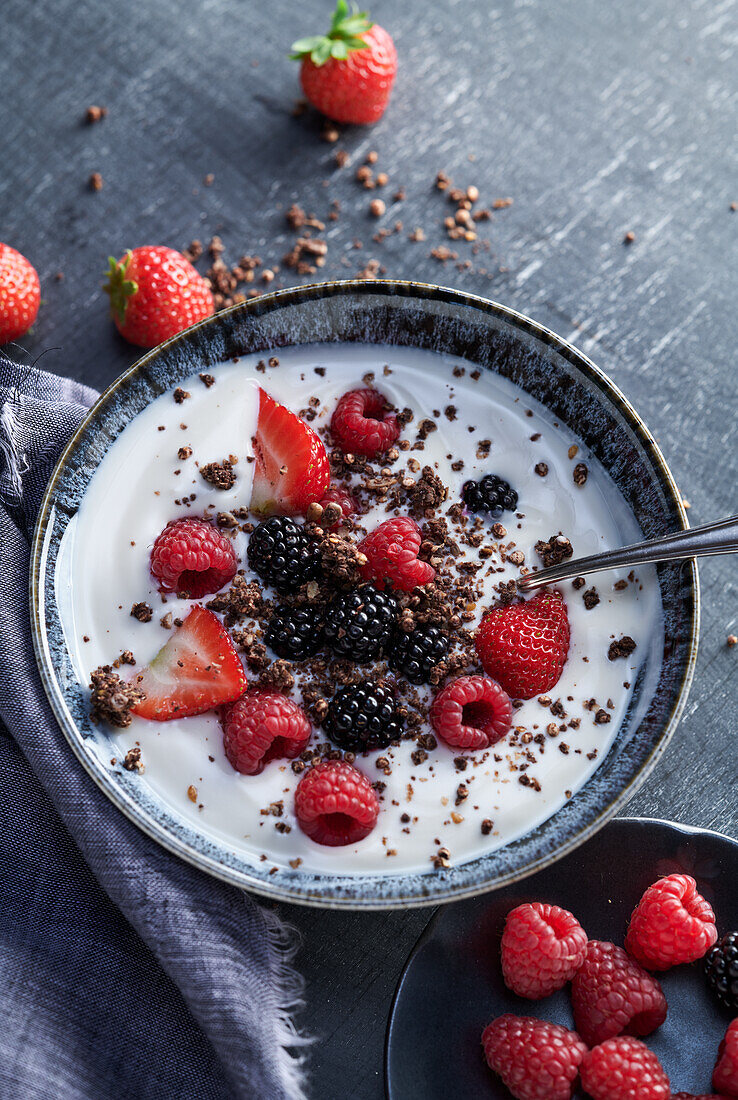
x: 336, y: 804
x: 363, y: 423
x: 359, y: 623
x: 282, y: 553
x: 413, y: 655
x: 671, y: 924
x: 725, y: 1076
x: 524, y: 646
x: 612, y: 995
x: 192, y: 558
x: 262, y: 726
x: 363, y: 716
x: 295, y: 633
x: 392, y: 550
x: 721, y: 970
x: 624, y: 1069
x: 344, y: 500
x: 542, y: 949
x: 472, y: 712
x: 535, y: 1059
x: 489, y: 494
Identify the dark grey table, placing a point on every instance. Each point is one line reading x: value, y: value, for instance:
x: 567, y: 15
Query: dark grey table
x: 597, y: 120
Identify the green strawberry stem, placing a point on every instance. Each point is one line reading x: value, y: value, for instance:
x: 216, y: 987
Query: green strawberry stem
x: 345, y: 35
x: 118, y: 286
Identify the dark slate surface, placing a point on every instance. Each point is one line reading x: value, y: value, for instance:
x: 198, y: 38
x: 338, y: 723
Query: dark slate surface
x: 596, y: 119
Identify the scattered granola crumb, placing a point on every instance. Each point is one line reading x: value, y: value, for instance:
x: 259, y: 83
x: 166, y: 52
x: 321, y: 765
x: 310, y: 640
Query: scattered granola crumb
x: 95, y: 114
x: 143, y: 612
x: 623, y: 647
x: 558, y: 548
x: 207, y: 380
x: 580, y: 473
x: 132, y: 761
x: 192, y: 793
x: 219, y: 474
x: 591, y: 598
x: 541, y: 468
x: 732, y: 640
x: 487, y: 826
x: 629, y: 237
x: 376, y: 208
x: 95, y: 182
x: 112, y: 698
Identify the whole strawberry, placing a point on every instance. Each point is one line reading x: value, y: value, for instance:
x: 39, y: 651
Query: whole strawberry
x: 20, y: 294
x: 348, y: 73
x: 156, y: 293
x: 524, y: 646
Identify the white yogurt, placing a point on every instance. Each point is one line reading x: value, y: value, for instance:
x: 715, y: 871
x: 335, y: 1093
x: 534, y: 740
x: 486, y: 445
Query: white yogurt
x: 104, y: 569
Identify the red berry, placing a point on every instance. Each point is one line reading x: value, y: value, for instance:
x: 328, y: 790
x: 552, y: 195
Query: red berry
x: 192, y: 558
x: 392, y: 550
x: 348, y: 73
x: 471, y: 713
x: 612, y: 995
x: 263, y: 726
x: 725, y: 1076
x: 363, y: 423
x: 156, y: 293
x: 344, y: 500
x: 671, y: 924
x: 198, y: 669
x: 542, y: 949
x: 336, y: 804
x: 20, y: 294
x: 624, y: 1069
x: 524, y: 646
x: 535, y: 1059
x: 291, y: 468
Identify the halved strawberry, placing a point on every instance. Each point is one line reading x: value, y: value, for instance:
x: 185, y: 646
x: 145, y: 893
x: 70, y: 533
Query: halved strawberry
x: 291, y: 468
x: 196, y: 670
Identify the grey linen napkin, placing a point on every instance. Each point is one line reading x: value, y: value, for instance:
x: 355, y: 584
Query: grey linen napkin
x: 124, y: 972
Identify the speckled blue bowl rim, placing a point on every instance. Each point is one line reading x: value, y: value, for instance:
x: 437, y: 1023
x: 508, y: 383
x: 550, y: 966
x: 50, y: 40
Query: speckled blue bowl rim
x: 571, y: 826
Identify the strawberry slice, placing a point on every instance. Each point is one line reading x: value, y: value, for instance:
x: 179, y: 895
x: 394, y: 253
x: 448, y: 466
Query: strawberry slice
x: 291, y: 465
x: 196, y: 670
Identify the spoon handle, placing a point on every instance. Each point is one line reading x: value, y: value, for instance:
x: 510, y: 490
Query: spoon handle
x: 712, y: 538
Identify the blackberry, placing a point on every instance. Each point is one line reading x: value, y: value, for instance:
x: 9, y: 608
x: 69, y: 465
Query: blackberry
x: 359, y: 624
x: 363, y: 716
x: 489, y: 494
x: 282, y: 553
x: 295, y: 633
x: 721, y: 970
x: 414, y: 655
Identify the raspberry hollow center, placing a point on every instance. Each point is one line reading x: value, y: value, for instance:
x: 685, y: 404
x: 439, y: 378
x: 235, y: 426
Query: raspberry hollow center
x: 480, y: 715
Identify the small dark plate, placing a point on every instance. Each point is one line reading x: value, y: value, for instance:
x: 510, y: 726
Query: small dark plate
x: 452, y: 984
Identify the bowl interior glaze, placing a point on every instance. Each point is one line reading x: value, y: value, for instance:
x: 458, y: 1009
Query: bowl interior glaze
x: 497, y: 339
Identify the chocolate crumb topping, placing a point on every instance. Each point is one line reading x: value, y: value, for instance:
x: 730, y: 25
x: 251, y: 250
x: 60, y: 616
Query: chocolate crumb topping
x: 184, y: 453
x: 428, y: 493
x: 112, y: 698
x: 558, y: 548
x: 487, y: 826
x: 207, y: 380
x: 278, y: 676
x: 180, y: 395
x: 601, y: 717
x: 142, y: 612
x: 591, y: 598
x: 623, y: 647
x: 578, y: 582
x: 580, y: 473
x: 132, y: 761
x: 219, y: 474
x: 244, y: 599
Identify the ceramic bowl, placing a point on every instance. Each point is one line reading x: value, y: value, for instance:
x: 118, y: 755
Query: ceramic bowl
x: 497, y: 339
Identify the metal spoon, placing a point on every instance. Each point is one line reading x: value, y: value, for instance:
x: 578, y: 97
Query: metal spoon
x: 698, y: 542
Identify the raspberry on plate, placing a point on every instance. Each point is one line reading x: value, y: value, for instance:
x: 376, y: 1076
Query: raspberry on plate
x: 472, y: 712
x: 362, y: 717
x: 336, y: 804
x: 535, y: 1059
x: 282, y: 553
x: 624, y: 1069
x: 363, y: 423
x: 542, y: 948
x: 721, y: 970
x: 263, y: 726
x: 671, y: 924
x: 524, y: 646
x: 725, y: 1075
x: 192, y: 558
x: 392, y: 550
x: 612, y: 995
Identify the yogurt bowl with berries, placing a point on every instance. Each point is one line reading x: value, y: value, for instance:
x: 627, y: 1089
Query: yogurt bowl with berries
x: 275, y: 596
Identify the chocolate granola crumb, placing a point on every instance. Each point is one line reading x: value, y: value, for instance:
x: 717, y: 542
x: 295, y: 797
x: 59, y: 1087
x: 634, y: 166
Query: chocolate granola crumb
x: 207, y: 380
x: 427, y: 493
x: 591, y: 598
x: 132, y: 761
x: 184, y: 453
x: 622, y: 647
x: 112, y: 698
x: 278, y: 676
x: 731, y: 640
x: 557, y: 549
x: 95, y: 114
x: 244, y: 599
x: 620, y: 585
x: 578, y: 582
x: 342, y: 560
x: 580, y: 473
x: 487, y: 826
x: 601, y: 717
x: 180, y: 395
x: 219, y: 474
x: 95, y: 182
x: 143, y: 612
x: 541, y: 468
